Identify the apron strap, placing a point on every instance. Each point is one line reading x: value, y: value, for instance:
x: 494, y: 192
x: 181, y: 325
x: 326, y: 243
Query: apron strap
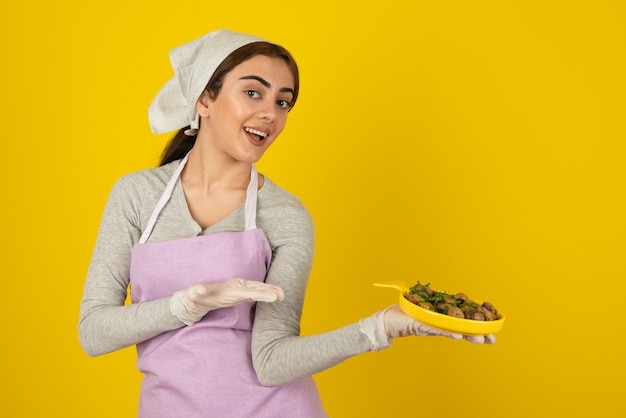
x: 165, y: 197
x: 250, y: 208
x: 250, y: 211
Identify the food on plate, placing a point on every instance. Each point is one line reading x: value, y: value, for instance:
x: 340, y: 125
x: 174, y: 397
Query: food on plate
x: 457, y: 305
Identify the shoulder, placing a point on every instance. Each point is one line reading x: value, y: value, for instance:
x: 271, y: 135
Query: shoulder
x: 283, y: 216
x: 280, y: 202
x: 148, y: 178
x: 139, y: 190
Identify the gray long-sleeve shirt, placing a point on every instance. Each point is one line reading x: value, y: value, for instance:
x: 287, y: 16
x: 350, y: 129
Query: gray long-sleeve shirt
x: 280, y: 355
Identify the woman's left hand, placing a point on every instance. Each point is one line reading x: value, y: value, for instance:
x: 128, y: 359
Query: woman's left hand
x: 399, y: 324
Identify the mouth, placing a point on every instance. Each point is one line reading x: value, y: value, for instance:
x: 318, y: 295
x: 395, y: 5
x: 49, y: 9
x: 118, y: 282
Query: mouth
x: 260, y: 135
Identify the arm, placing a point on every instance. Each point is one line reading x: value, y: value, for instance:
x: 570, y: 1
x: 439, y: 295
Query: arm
x: 280, y: 354
x: 105, y: 324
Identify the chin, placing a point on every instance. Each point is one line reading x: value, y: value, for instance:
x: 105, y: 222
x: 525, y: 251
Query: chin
x: 252, y: 159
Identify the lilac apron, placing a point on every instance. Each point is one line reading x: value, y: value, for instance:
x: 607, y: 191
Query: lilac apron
x: 205, y: 370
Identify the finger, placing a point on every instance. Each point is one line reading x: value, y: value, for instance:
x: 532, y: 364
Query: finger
x: 475, y: 339
x: 272, y: 289
x: 262, y: 294
x: 253, y: 284
x: 280, y: 293
x: 422, y: 329
x: 490, y: 339
x: 265, y: 297
x: 197, y: 291
x: 431, y: 331
x: 453, y: 335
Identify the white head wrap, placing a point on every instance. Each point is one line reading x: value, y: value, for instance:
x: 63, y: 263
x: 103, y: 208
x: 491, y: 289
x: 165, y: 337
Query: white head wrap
x: 174, y: 106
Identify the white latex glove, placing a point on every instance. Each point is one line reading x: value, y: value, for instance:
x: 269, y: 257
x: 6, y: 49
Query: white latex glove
x: 191, y: 304
x: 398, y: 324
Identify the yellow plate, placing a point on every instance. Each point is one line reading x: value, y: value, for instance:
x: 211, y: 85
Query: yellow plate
x: 441, y: 321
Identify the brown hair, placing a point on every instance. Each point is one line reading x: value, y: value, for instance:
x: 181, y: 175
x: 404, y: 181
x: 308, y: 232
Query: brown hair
x: 181, y: 144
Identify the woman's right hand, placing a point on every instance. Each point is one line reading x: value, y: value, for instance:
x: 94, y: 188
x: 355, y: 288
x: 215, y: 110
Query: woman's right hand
x: 191, y: 304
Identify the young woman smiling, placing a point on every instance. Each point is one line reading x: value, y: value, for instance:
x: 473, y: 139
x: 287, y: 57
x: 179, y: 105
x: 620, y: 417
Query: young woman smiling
x: 217, y: 256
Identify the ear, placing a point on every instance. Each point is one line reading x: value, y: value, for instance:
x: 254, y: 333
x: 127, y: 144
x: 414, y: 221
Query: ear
x: 203, y: 105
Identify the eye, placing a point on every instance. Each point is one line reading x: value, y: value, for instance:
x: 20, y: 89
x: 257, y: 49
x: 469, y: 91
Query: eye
x: 252, y: 94
x: 284, y: 104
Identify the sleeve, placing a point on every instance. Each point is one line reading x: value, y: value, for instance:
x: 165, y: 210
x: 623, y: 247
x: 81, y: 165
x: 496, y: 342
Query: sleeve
x: 106, y: 324
x: 280, y: 355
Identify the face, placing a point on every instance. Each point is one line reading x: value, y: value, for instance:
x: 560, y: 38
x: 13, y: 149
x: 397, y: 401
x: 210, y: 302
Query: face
x: 250, y: 110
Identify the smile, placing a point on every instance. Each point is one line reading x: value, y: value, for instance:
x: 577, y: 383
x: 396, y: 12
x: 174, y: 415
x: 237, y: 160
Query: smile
x: 260, y: 134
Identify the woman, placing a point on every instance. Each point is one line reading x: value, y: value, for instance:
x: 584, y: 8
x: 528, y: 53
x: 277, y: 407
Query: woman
x: 204, y: 237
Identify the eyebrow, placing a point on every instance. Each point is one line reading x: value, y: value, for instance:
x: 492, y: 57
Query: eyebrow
x: 266, y: 83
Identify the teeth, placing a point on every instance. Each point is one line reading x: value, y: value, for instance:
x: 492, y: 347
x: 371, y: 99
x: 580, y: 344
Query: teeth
x: 255, y: 132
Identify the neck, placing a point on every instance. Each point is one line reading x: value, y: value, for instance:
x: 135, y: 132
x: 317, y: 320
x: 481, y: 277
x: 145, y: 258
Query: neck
x: 208, y: 170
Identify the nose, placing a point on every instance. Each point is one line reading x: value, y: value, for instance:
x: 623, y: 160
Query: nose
x: 267, y: 112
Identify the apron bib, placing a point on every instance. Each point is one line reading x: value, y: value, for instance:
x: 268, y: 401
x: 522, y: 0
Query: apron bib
x: 205, y: 370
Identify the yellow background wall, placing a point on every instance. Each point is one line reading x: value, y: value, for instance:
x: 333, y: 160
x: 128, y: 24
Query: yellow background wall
x: 476, y: 145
